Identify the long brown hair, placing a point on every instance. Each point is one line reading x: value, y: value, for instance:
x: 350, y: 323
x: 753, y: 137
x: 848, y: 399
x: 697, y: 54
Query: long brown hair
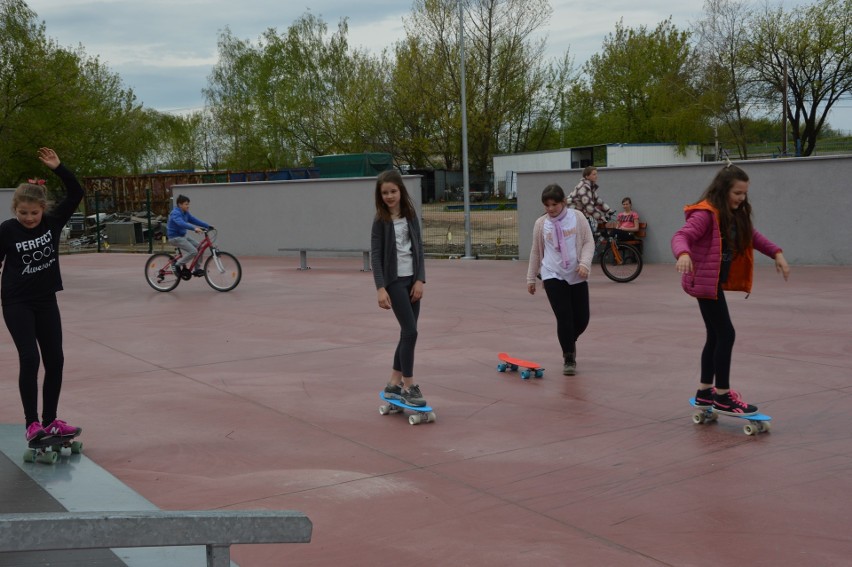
x: 406, y: 205
x: 717, y: 195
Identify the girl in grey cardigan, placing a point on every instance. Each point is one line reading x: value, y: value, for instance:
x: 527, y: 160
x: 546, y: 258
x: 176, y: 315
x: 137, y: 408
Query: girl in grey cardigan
x: 396, y: 255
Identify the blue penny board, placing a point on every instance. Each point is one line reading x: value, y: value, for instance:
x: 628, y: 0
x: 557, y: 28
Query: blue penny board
x: 755, y: 417
x: 403, y: 405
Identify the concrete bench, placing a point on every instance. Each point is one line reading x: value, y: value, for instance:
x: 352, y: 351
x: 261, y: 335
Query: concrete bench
x: 217, y: 530
x: 303, y: 255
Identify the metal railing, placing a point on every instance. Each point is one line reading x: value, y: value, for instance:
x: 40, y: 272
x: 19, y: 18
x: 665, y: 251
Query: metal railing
x: 216, y: 530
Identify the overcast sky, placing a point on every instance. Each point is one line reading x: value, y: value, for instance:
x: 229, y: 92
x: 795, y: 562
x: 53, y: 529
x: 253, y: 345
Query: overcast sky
x: 165, y: 49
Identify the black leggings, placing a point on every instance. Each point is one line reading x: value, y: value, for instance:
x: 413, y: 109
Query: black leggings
x: 716, y: 356
x: 35, y: 326
x: 570, y: 304
x: 406, y: 313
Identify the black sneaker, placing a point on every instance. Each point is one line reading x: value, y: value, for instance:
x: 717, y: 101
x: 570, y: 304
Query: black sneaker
x: 393, y: 391
x: 413, y: 396
x: 198, y: 272
x: 176, y: 269
x: 704, y: 398
x: 730, y: 403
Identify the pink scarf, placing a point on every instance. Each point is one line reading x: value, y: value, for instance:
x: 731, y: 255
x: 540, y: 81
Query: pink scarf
x: 559, y: 237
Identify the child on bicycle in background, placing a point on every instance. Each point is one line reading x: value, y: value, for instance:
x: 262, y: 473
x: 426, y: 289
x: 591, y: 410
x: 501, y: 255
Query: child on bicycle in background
x: 399, y: 272
x: 180, y: 221
x: 29, y: 254
x: 562, y: 250
x: 715, y: 252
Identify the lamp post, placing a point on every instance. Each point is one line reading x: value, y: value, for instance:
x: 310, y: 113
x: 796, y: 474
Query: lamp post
x: 468, y: 253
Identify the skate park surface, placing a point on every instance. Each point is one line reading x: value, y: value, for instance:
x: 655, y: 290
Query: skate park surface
x: 267, y: 397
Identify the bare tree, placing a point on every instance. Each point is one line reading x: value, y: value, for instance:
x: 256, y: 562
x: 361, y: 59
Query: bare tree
x: 722, y: 38
x: 814, y: 44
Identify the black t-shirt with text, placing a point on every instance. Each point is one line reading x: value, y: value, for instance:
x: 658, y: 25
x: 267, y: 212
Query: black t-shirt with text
x: 30, y: 256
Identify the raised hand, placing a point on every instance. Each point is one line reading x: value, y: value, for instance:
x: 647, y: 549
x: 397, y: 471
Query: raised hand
x: 48, y: 157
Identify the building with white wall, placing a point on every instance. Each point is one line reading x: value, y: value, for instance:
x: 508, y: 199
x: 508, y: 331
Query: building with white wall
x: 606, y: 155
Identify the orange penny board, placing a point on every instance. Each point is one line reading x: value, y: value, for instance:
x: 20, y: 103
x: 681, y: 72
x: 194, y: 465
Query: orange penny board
x: 512, y: 363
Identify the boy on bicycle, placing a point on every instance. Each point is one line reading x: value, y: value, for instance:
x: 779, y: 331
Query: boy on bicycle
x: 180, y: 221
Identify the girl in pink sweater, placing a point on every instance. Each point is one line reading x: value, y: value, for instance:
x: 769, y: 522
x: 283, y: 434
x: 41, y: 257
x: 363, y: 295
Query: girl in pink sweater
x: 561, y: 254
x: 715, y: 252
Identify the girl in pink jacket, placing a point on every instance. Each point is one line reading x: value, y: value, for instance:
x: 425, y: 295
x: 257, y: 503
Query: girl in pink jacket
x: 561, y: 255
x: 715, y: 252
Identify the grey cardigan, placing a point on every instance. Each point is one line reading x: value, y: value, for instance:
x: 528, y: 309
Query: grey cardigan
x: 383, y: 252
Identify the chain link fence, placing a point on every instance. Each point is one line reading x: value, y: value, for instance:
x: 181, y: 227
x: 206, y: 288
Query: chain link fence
x: 493, y: 228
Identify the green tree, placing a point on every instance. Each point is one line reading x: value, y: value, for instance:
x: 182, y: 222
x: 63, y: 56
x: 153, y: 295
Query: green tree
x: 295, y: 95
x: 641, y: 88
x: 232, y: 101
x: 52, y: 96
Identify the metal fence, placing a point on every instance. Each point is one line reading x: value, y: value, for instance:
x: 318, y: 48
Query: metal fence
x: 493, y: 227
x: 131, y: 218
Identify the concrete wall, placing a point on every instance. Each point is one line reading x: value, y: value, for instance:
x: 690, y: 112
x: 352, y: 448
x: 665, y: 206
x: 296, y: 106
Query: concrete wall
x: 6, y: 203
x: 800, y: 204
x: 256, y: 219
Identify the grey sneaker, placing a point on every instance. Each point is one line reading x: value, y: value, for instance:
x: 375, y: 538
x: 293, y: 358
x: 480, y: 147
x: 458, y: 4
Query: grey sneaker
x: 570, y: 367
x: 413, y: 396
x: 394, y: 392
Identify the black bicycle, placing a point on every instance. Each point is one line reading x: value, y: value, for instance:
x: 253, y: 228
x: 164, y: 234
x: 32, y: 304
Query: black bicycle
x: 620, y: 262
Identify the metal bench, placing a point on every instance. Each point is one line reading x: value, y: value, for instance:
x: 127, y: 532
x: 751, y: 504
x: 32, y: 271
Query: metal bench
x: 217, y: 530
x: 303, y: 255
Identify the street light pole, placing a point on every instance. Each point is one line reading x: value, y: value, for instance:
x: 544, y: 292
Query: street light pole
x: 784, y: 113
x: 468, y: 252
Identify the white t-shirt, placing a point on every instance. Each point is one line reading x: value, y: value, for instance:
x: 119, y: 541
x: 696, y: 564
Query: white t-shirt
x: 551, y: 262
x: 404, y: 260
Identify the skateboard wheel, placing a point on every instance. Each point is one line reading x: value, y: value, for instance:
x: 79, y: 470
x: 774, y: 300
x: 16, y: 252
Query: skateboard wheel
x: 514, y: 367
x: 431, y: 417
x: 414, y: 419
x: 698, y: 418
x: 29, y: 456
x: 502, y: 367
x: 384, y: 410
x: 56, y: 448
x: 48, y: 457
x: 76, y: 447
x: 749, y: 429
x: 764, y: 427
x: 525, y: 374
x: 539, y: 373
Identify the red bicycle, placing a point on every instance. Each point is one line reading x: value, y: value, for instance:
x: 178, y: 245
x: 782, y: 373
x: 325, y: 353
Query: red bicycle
x: 221, y: 269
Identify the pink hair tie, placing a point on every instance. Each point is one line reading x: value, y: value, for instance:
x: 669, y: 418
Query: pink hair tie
x: 36, y: 181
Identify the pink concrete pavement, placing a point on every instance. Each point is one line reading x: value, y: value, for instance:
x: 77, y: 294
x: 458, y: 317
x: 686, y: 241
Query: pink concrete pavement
x: 267, y: 397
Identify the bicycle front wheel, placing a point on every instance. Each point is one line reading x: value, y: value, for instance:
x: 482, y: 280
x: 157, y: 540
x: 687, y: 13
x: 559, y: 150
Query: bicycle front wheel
x: 223, y: 271
x: 623, y: 267
x: 159, y: 273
